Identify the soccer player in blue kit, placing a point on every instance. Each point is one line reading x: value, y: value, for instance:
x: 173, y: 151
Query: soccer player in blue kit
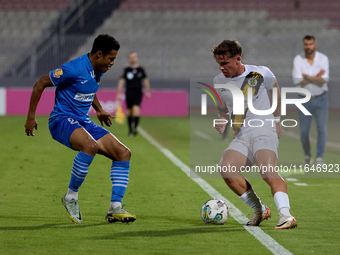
x: 76, y: 85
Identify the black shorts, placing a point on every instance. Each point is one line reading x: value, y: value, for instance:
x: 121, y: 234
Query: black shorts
x: 133, y: 99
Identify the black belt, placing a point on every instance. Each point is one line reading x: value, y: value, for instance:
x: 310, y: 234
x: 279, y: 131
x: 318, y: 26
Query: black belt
x: 313, y: 97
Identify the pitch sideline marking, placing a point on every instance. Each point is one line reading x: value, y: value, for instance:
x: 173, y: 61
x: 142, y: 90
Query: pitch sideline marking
x: 257, y: 232
x: 300, y: 184
x: 295, y: 182
x: 291, y: 179
x: 202, y: 135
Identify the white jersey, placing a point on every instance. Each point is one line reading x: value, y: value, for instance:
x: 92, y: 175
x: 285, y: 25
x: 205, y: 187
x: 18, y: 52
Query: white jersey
x: 301, y: 66
x: 260, y: 79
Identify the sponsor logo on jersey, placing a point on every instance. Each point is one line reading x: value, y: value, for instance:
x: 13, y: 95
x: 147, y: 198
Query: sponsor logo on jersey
x: 57, y: 73
x: 84, y: 97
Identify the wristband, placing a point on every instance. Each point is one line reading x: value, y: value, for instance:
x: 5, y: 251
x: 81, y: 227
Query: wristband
x: 277, y: 119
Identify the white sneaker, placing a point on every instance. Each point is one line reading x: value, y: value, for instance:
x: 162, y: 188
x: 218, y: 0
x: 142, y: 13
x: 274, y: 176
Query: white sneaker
x: 286, y: 222
x: 308, y: 160
x: 319, y: 161
x: 72, y: 209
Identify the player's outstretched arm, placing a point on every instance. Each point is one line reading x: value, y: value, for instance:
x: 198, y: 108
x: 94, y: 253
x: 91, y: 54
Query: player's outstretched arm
x: 103, y: 116
x: 37, y: 91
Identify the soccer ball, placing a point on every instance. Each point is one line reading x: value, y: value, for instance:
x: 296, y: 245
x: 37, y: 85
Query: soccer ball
x: 214, y: 211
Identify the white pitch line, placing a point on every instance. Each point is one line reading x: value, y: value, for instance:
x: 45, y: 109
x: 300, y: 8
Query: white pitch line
x: 291, y: 179
x: 325, y: 185
x: 257, y: 232
x: 300, y: 184
x: 202, y: 135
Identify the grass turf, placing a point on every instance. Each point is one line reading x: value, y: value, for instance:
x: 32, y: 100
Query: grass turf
x: 35, y: 172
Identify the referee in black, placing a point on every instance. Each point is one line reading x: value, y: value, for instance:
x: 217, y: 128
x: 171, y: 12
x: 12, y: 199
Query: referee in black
x: 134, y: 77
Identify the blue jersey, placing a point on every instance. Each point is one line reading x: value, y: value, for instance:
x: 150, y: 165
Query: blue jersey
x: 76, y: 87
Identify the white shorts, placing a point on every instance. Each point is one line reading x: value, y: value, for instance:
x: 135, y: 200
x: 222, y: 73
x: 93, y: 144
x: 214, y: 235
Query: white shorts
x: 249, y: 145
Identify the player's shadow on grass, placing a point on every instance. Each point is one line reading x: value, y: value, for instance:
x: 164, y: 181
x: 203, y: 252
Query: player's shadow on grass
x: 51, y: 225
x: 170, y: 232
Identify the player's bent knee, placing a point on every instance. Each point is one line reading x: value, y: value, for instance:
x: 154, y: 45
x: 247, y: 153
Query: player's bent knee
x: 124, y: 154
x: 90, y: 148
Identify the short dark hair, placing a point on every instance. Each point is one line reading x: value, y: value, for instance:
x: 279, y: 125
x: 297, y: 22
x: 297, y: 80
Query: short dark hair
x: 308, y: 37
x: 228, y: 47
x: 105, y: 43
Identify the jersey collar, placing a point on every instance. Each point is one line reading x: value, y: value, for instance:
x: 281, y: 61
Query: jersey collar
x: 89, y: 67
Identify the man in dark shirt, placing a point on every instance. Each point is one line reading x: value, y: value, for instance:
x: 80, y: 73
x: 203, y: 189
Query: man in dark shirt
x: 134, y: 77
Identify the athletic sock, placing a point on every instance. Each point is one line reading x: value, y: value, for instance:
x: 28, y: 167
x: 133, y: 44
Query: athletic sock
x: 285, y: 211
x: 136, y: 122
x: 120, y: 179
x: 71, y: 195
x: 252, y: 200
x: 115, y: 205
x: 282, y: 202
x: 130, y: 123
x: 80, y: 168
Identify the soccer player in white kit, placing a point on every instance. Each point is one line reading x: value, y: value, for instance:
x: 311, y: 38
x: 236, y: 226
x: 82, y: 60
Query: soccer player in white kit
x: 255, y: 136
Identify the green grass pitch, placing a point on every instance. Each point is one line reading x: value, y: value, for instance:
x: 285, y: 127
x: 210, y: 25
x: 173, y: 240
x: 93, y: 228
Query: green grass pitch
x: 35, y: 171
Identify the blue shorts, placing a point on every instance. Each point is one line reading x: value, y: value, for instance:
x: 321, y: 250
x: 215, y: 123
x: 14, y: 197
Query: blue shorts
x: 61, y: 129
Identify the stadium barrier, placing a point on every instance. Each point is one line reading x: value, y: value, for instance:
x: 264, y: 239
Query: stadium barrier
x: 161, y: 103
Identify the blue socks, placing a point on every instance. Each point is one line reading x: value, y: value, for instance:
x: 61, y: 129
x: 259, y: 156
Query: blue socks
x: 80, y: 168
x: 119, y: 175
x: 120, y: 178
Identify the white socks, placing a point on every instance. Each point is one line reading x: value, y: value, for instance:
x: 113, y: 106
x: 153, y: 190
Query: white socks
x: 71, y: 194
x: 282, y: 202
x: 252, y: 200
x: 115, y: 204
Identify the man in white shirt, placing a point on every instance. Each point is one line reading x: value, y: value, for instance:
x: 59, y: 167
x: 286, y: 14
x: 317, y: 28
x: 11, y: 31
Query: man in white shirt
x: 311, y: 71
x: 253, y: 142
